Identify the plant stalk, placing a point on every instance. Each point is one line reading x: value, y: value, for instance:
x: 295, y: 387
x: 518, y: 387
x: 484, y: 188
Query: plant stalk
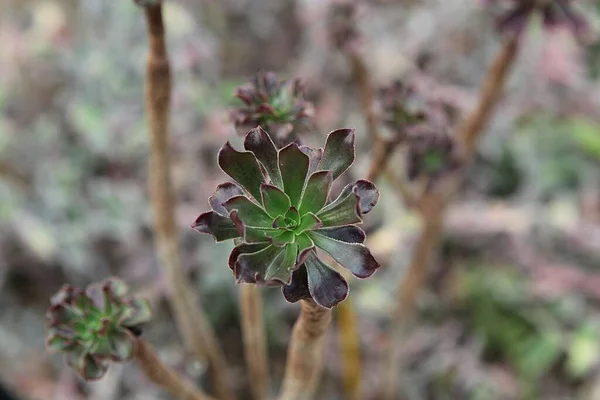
x: 164, y: 376
x: 431, y: 207
x: 255, y: 347
x: 305, y: 352
x: 191, y: 319
x: 349, y: 350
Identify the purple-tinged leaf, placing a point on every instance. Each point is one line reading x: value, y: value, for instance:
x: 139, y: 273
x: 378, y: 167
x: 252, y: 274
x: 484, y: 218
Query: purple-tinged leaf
x: 242, y: 167
x: 252, y: 267
x: 293, y: 214
x: 365, y: 190
x: 275, y: 201
x: 298, y: 288
x: 245, y: 248
x: 305, y: 246
x: 220, y: 227
x: 355, y: 257
x: 314, y: 155
x: 308, y: 222
x: 248, y: 212
x: 93, y: 368
x: 343, y: 211
x: 338, y: 155
x: 316, y: 192
x: 141, y: 313
x: 279, y: 222
x: 121, y: 343
x: 293, y: 164
x: 224, y: 192
x: 259, y: 142
x: 248, y: 233
x: 281, y: 269
x: 327, y: 286
x: 281, y: 238
x: 348, y: 234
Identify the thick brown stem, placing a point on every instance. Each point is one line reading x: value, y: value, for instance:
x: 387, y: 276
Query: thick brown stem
x: 349, y: 350
x: 431, y: 207
x: 383, y: 151
x: 191, y: 319
x: 255, y: 347
x: 491, y: 93
x: 164, y: 376
x: 305, y: 352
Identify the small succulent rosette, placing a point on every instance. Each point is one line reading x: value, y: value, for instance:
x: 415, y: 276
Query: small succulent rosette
x: 277, y: 105
x: 278, y: 211
x: 432, y: 154
x: 95, y: 326
x: 402, y: 107
x: 516, y: 15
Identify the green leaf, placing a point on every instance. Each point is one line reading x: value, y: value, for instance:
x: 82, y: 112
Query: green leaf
x: 281, y: 269
x: 292, y: 214
x: 308, y: 222
x: 367, y: 193
x: 245, y: 248
x: 92, y: 368
x: 355, y: 257
x: 252, y: 267
x: 274, y: 200
x: 248, y: 212
x: 220, y: 227
x: 305, y: 245
x: 140, y: 313
x: 327, y: 287
x: 258, y: 142
x: 121, y: 343
x: 344, y: 211
x: 316, y: 192
x: 294, y: 167
x: 281, y: 238
x: 338, y: 155
x: 587, y: 136
x: 314, y: 155
x: 242, y: 167
x: 349, y: 234
x: 224, y: 192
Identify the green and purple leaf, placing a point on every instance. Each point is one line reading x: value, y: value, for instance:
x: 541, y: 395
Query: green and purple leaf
x: 338, y: 155
x: 355, y: 257
x: 281, y: 270
x: 242, y: 167
x: 293, y: 164
x: 316, y: 192
x: 248, y: 212
x: 244, y: 248
x: 224, y: 192
x: 258, y: 142
x: 348, y: 234
x: 298, y: 287
x: 275, y: 201
x: 220, y: 227
x: 343, y: 211
x: 327, y: 286
x: 305, y: 245
x: 252, y: 267
x: 308, y: 222
x: 281, y: 238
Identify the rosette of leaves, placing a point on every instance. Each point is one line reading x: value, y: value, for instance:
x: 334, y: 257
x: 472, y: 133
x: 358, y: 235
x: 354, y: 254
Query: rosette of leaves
x: 432, y: 153
x: 278, y: 105
x: 278, y: 211
x: 402, y: 107
x: 516, y: 15
x: 95, y: 326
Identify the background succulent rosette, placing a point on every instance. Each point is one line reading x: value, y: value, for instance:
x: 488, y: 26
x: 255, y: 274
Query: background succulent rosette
x: 95, y: 326
x: 279, y: 212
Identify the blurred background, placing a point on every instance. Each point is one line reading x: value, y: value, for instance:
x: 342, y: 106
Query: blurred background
x: 510, y: 310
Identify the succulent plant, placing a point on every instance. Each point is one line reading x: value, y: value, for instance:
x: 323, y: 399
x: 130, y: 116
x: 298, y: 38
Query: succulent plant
x: 278, y: 213
x: 95, y: 326
x: 402, y: 107
x: 554, y: 13
x: 277, y: 105
x: 432, y: 153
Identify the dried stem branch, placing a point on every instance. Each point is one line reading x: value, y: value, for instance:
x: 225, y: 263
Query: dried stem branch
x: 364, y: 86
x: 349, y: 350
x: 191, y: 319
x: 305, y: 352
x: 383, y: 151
x: 431, y: 207
x: 255, y: 347
x: 164, y: 376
